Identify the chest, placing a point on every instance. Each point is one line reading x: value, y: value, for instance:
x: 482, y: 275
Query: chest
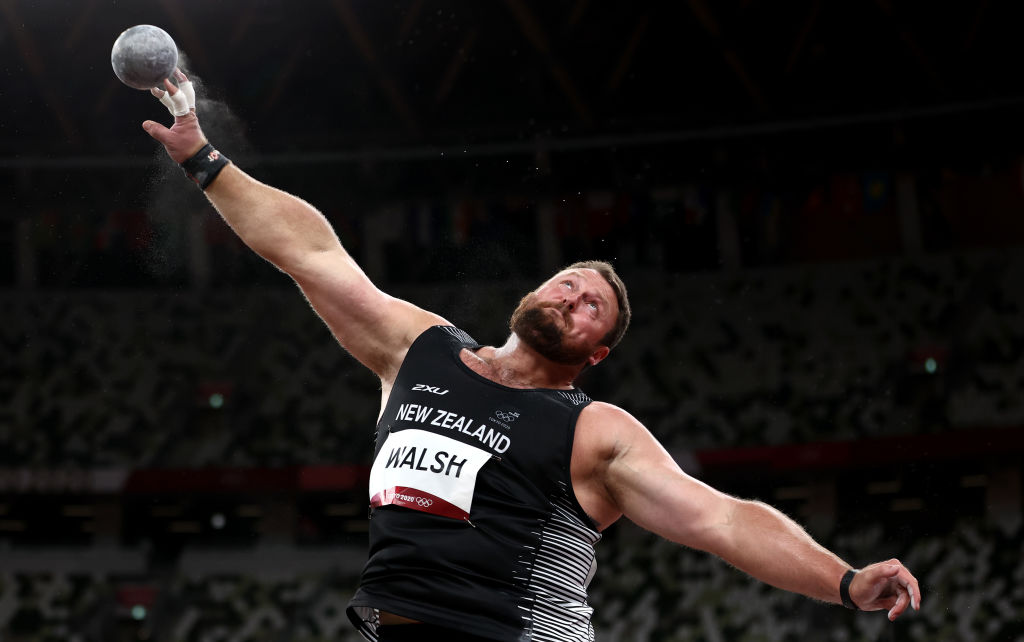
x: 529, y: 430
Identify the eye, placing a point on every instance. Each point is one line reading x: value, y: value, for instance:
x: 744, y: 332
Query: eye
x: 593, y: 306
x: 567, y: 284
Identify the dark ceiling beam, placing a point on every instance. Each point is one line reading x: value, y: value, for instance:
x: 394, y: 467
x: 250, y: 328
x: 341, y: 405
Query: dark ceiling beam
x: 281, y: 78
x: 980, y: 13
x: 707, y: 20
x: 78, y: 26
x: 409, y: 21
x: 186, y: 37
x: 915, y: 49
x: 625, y: 61
x: 387, y: 83
x: 455, y: 67
x: 801, y: 40
x: 535, y: 34
x: 241, y: 27
x: 577, y: 12
x: 842, y: 123
x: 37, y: 68
x: 663, y: 138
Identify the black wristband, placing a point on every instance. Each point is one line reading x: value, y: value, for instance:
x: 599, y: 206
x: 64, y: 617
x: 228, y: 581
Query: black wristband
x: 205, y: 165
x: 844, y: 590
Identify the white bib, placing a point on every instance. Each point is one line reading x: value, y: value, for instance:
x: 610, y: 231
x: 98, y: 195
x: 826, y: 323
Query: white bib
x: 426, y: 472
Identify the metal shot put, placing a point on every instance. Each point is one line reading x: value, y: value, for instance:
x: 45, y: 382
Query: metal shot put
x: 143, y: 56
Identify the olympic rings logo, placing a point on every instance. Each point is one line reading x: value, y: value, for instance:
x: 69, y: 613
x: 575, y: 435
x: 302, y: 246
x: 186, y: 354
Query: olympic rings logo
x: 424, y: 502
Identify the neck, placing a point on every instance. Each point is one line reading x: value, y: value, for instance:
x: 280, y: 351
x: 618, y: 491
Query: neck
x: 516, y: 363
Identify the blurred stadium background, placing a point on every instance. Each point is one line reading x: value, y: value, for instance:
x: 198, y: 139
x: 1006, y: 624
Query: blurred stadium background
x: 818, y: 207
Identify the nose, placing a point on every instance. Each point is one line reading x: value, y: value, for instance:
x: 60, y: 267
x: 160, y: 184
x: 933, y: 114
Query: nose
x: 571, y: 301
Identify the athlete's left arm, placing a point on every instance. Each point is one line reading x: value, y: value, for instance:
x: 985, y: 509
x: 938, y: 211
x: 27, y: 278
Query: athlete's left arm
x: 648, y: 487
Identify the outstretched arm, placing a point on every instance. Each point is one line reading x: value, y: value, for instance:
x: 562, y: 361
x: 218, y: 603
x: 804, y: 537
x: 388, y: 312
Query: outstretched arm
x: 647, y: 486
x: 293, y: 235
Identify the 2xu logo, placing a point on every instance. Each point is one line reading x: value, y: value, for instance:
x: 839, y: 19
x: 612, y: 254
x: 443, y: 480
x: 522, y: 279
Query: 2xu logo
x: 425, y: 388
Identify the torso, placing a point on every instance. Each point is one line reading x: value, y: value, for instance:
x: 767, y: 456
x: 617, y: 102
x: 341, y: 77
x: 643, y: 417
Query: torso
x: 592, y: 447
x: 588, y: 455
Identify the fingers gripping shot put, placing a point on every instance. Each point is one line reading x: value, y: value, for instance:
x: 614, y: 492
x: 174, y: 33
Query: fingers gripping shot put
x: 201, y: 165
x: 493, y: 474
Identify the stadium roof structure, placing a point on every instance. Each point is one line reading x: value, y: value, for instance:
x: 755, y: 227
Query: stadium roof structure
x: 327, y: 75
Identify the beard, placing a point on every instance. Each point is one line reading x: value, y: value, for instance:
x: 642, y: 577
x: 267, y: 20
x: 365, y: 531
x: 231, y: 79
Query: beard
x: 536, y: 327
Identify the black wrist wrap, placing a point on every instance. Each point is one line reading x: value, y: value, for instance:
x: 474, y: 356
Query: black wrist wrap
x: 205, y: 165
x: 844, y: 590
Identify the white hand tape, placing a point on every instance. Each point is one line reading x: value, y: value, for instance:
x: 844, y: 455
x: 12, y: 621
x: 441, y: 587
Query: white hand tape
x: 176, y: 104
x: 164, y: 98
x: 190, y: 94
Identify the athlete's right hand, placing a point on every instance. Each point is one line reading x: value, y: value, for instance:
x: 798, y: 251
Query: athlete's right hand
x: 184, y: 138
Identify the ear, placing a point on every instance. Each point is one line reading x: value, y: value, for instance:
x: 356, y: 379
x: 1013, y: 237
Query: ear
x: 598, y: 355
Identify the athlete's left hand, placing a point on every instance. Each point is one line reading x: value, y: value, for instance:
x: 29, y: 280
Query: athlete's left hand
x: 886, y: 585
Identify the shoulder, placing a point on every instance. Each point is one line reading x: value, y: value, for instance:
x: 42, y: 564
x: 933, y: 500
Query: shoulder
x: 606, y: 433
x: 604, y: 430
x: 611, y: 418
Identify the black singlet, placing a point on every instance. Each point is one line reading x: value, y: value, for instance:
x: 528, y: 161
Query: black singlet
x: 474, y: 522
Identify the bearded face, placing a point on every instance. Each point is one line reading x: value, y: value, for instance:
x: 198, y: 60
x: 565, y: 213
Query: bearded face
x: 543, y: 327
